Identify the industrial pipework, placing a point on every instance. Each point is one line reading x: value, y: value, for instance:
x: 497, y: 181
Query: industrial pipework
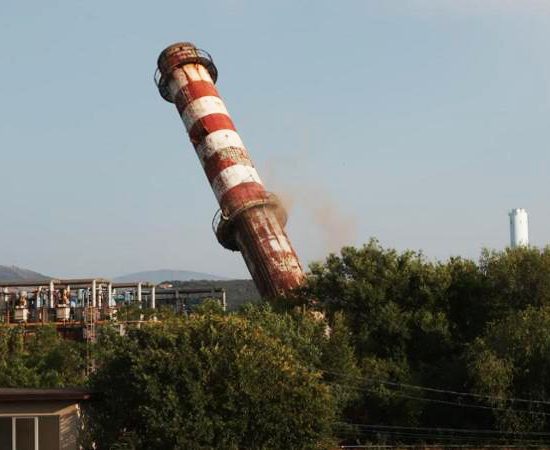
x: 250, y: 219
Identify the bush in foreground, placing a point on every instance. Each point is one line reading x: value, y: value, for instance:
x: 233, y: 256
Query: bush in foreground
x: 209, y: 381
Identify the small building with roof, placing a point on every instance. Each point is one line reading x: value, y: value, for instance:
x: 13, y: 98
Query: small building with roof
x: 41, y: 419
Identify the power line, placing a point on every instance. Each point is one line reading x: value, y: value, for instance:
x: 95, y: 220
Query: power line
x: 448, y: 430
x: 442, y: 402
x: 435, y: 438
x: 441, y: 391
x: 436, y: 446
x: 438, y: 437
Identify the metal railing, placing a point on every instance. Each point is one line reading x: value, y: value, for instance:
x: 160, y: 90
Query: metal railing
x: 222, y: 222
x: 186, y: 55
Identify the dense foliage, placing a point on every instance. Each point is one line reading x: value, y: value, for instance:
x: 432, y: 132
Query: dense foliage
x: 443, y: 345
x: 212, y: 381
x: 45, y: 359
x: 415, y: 350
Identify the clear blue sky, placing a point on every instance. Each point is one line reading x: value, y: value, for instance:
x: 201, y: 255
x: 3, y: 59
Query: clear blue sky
x: 419, y: 122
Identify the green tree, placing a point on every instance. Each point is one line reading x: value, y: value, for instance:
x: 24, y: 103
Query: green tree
x: 395, y: 305
x: 466, y: 297
x: 322, y: 345
x: 43, y: 359
x: 209, y: 381
x: 515, y: 279
x: 512, y: 361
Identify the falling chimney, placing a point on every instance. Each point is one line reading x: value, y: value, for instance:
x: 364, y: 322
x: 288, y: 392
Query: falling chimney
x: 250, y: 219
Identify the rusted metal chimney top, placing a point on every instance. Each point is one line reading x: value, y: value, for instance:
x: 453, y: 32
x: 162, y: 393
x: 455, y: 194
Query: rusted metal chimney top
x: 178, y: 55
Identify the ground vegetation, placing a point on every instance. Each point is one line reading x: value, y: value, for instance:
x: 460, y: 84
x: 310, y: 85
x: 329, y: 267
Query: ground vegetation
x: 379, y: 346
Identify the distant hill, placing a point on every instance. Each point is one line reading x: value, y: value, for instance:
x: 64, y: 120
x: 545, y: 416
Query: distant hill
x: 237, y: 292
x: 14, y: 273
x: 158, y: 276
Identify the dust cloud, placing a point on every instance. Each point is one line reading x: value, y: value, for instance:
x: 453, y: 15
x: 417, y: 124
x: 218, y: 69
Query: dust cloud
x: 336, y: 226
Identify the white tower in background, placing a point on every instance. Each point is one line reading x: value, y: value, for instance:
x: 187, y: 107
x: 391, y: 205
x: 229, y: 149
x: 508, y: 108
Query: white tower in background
x: 519, y: 228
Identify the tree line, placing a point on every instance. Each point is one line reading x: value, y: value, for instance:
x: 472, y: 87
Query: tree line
x: 379, y: 346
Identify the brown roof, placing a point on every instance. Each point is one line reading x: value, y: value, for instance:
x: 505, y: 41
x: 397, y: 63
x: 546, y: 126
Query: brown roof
x: 33, y: 395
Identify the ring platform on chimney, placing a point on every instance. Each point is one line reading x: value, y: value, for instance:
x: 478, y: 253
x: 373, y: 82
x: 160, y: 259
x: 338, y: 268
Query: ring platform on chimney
x: 177, y: 55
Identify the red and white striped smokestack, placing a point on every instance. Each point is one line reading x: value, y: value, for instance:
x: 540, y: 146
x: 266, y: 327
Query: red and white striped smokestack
x: 250, y: 220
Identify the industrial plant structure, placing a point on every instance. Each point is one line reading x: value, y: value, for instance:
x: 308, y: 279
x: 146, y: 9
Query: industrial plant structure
x: 76, y: 306
x: 250, y: 219
x: 519, y: 228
